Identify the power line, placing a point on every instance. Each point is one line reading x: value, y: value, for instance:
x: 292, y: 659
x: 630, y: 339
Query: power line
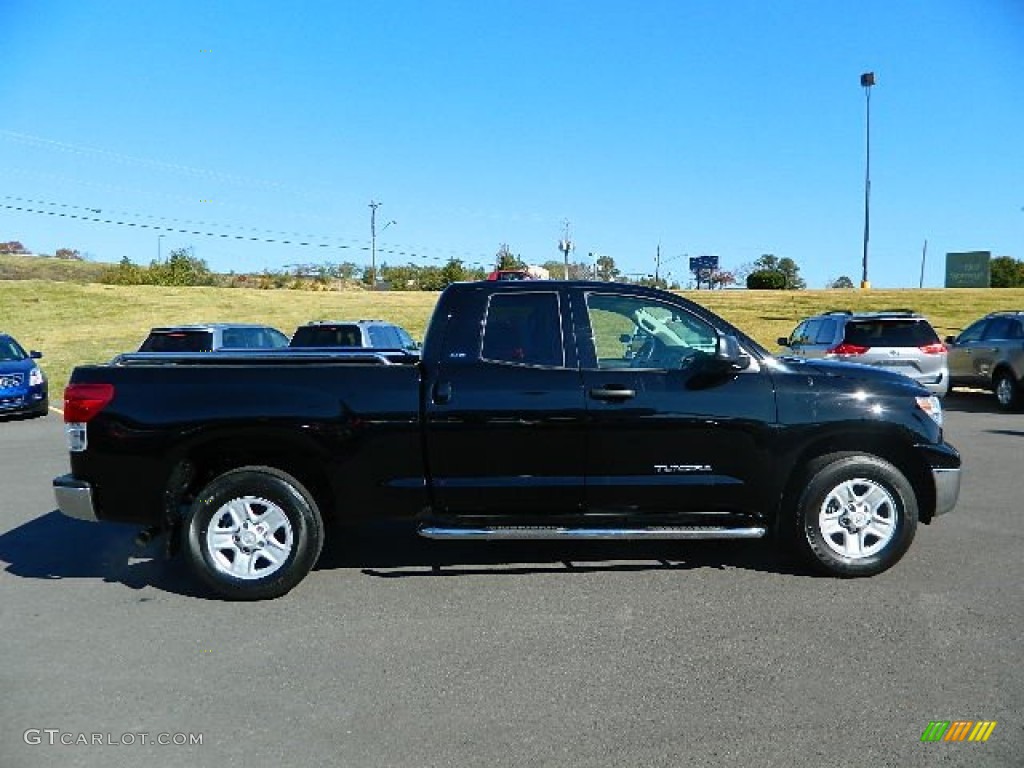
x: 222, y: 235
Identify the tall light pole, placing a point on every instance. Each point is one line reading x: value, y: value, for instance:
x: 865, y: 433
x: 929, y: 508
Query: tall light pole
x: 867, y: 80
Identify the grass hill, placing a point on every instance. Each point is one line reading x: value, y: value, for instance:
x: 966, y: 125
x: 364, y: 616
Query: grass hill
x: 75, y: 322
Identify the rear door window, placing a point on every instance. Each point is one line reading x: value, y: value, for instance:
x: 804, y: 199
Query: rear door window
x: 1000, y: 328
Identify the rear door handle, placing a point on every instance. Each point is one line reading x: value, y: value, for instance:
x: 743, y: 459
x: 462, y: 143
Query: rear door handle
x: 612, y: 393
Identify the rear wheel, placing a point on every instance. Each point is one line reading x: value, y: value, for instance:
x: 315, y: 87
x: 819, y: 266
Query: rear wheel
x: 1007, y: 390
x: 856, y: 516
x: 253, y: 533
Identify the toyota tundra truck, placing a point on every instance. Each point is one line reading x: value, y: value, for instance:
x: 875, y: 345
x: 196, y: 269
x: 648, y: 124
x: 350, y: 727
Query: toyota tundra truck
x: 537, y: 410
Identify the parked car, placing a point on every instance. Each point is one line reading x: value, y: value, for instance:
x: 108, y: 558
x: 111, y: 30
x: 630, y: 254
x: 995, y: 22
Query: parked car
x: 354, y: 334
x: 897, y: 339
x: 213, y: 336
x: 523, y: 419
x: 989, y: 354
x: 510, y: 274
x: 23, y: 385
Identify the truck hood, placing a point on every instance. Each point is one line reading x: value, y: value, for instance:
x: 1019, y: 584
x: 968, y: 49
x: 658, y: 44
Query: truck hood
x: 877, y: 380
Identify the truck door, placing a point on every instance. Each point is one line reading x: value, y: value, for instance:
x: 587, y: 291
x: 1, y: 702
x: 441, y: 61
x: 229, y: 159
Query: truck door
x: 665, y: 434
x: 504, y: 410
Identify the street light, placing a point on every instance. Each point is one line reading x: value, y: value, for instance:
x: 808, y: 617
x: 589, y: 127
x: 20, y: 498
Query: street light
x: 867, y: 80
x: 373, y: 242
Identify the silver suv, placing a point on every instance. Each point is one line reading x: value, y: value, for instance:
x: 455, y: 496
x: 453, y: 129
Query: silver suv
x: 375, y: 334
x: 898, y: 340
x: 989, y: 354
x: 210, y: 337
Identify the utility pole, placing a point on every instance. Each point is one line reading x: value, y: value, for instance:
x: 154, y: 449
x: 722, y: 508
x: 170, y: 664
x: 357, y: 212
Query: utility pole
x: 565, y: 245
x: 657, y: 264
x: 867, y: 80
x: 373, y: 244
x: 924, y: 254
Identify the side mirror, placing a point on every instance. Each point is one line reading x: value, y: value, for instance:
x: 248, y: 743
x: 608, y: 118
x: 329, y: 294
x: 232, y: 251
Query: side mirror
x: 782, y: 341
x: 35, y: 355
x: 729, y: 355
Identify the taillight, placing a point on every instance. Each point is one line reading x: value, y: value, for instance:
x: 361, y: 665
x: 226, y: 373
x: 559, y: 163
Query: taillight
x: 845, y: 349
x: 83, y: 401
x: 933, y: 349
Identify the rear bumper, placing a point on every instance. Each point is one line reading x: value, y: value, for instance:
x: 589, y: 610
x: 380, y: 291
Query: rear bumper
x: 74, y: 498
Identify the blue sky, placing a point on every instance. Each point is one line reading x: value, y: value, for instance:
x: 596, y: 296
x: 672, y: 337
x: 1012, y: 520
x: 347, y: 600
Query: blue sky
x: 733, y: 128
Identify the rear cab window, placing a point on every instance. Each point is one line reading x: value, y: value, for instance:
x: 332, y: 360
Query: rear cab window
x: 523, y: 328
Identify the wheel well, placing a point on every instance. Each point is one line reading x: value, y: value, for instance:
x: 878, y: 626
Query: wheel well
x: 213, y: 459
x: 899, y: 454
x: 1003, y: 367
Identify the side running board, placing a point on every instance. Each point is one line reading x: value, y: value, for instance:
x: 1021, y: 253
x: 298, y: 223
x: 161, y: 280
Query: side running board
x: 555, y: 533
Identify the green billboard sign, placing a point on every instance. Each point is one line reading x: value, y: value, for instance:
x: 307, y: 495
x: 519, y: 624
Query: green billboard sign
x: 968, y: 270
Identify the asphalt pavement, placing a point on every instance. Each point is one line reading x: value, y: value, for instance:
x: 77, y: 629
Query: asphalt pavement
x: 398, y: 651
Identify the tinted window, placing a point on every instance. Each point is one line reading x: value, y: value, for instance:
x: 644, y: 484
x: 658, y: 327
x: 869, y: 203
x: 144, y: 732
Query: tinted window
x: 523, y: 328
x: 973, y: 332
x: 798, y: 332
x: 327, y: 336
x: 10, y: 350
x: 1001, y: 328
x: 178, y: 341
x: 384, y: 337
x: 810, y: 332
x: 890, y: 333
x: 826, y: 331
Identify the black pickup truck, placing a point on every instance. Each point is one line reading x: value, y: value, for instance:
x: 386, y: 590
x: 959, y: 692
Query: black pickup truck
x: 538, y: 410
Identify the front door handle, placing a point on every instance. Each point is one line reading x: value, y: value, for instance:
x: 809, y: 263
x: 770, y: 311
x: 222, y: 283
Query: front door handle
x: 442, y: 392
x: 612, y: 393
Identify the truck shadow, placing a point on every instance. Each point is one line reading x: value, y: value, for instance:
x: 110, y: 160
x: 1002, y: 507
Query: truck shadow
x: 392, y: 550
x: 54, y: 547
x: 972, y: 401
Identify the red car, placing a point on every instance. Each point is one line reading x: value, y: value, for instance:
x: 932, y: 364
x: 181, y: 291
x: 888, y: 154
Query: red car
x: 510, y: 274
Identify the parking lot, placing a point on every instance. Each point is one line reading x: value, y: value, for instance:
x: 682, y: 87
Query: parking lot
x: 403, y: 652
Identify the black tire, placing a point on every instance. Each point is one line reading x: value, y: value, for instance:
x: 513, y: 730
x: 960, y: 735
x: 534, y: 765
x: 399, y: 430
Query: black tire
x: 1007, y: 390
x: 856, y: 515
x: 283, y: 532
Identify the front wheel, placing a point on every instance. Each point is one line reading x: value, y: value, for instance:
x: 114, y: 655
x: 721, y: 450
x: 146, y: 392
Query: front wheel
x: 856, y: 516
x: 253, y: 533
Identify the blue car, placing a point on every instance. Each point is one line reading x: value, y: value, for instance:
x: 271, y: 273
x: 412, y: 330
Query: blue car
x: 23, y: 387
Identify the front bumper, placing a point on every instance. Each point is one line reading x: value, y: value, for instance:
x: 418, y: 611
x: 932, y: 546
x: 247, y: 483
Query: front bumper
x: 74, y: 497
x: 947, y: 489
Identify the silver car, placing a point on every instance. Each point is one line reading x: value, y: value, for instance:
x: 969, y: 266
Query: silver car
x: 899, y: 340
x: 989, y: 354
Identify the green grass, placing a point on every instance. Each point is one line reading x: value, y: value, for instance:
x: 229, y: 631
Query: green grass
x: 73, y: 323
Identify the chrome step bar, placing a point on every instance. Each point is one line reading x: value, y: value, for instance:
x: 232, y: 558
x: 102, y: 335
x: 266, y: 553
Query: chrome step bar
x: 554, y: 533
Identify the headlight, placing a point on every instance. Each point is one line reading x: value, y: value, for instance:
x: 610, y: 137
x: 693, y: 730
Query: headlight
x: 932, y: 406
x: 36, y: 378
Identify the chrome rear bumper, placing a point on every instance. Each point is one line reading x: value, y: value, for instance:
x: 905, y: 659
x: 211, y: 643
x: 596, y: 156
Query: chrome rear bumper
x: 74, y: 497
